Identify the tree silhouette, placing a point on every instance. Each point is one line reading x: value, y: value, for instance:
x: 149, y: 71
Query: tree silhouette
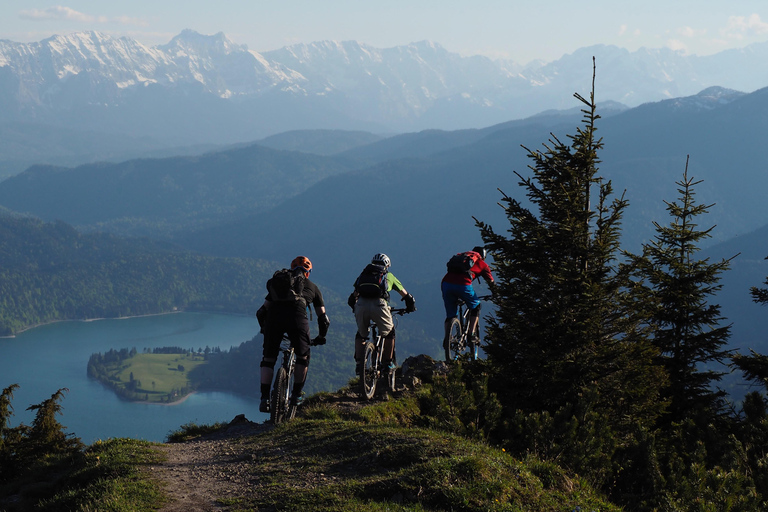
x: 572, y: 364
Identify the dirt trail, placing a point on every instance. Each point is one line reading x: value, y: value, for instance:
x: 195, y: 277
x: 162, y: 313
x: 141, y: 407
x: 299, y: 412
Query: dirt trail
x: 199, y: 473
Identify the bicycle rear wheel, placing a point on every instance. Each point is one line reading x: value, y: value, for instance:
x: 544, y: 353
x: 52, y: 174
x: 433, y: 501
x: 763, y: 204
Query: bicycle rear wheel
x: 368, y: 376
x: 452, y: 344
x: 279, y: 397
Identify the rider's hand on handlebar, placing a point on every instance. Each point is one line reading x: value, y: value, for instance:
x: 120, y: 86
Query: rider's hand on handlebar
x: 410, y: 303
x: 318, y: 340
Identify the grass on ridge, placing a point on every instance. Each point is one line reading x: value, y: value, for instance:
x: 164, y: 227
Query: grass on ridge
x: 108, y: 476
x: 334, y: 464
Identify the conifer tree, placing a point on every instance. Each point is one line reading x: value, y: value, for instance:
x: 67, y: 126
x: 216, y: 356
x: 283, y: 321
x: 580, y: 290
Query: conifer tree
x: 46, y: 435
x: 5, y: 413
x: 688, y: 331
x: 753, y: 424
x: 565, y: 342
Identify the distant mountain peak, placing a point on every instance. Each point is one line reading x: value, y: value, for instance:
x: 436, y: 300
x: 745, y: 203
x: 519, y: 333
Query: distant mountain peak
x: 720, y: 93
x: 190, y: 39
x: 335, y: 84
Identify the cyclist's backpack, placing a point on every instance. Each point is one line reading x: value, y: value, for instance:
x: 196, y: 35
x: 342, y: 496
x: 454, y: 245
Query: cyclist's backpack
x: 286, y: 285
x: 461, y: 263
x: 372, y: 282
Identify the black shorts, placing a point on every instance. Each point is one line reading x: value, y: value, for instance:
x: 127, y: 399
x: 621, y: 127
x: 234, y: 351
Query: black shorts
x: 288, y: 321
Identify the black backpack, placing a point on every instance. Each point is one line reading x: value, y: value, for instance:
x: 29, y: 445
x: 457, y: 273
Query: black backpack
x: 461, y: 263
x: 286, y: 285
x: 372, y: 282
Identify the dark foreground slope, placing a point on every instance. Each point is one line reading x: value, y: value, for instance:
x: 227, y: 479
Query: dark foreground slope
x: 373, y: 458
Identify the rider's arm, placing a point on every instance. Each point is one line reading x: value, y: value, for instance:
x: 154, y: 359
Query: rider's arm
x: 395, y: 284
x: 481, y: 269
x: 323, y: 322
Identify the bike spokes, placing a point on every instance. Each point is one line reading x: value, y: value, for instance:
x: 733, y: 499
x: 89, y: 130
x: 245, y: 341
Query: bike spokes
x: 368, y: 376
x: 454, y: 344
x: 279, y: 397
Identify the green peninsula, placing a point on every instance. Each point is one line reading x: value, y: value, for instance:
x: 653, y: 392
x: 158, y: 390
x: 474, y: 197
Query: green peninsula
x: 161, y: 376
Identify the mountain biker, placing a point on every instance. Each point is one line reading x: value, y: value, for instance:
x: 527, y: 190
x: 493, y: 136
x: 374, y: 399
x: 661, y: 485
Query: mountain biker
x: 278, y: 316
x: 371, y: 303
x: 457, y: 284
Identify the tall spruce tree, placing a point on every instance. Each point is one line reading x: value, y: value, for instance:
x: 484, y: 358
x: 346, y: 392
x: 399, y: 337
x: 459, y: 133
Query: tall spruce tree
x: 565, y: 340
x: 688, y: 331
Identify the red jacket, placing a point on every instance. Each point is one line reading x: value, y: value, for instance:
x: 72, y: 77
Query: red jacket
x: 480, y: 268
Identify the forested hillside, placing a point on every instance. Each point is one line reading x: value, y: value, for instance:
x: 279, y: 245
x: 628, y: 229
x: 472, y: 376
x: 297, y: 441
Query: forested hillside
x: 51, y: 272
x: 163, y: 196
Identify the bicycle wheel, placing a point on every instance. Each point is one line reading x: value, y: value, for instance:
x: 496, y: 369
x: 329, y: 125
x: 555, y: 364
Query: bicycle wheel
x: 452, y: 343
x: 368, y: 378
x: 290, y: 410
x: 279, y: 397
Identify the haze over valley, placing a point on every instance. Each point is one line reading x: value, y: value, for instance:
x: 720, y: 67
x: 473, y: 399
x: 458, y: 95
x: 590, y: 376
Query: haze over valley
x: 339, y: 150
x: 159, y: 161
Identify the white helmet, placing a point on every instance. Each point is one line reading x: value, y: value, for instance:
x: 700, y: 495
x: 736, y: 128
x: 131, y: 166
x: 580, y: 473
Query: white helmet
x: 381, y: 259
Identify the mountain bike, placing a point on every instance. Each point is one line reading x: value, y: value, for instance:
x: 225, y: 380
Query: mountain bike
x: 371, y: 369
x: 280, y: 409
x: 458, y: 340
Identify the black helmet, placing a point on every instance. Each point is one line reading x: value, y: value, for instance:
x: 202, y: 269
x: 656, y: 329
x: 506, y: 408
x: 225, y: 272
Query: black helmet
x: 481, y: 251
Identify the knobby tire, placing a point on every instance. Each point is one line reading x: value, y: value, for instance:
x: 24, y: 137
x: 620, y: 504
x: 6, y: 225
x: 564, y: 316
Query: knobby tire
x: 368, y: 376
x: 290, y: 410
x: 279, y: 397
x: 452, y: 343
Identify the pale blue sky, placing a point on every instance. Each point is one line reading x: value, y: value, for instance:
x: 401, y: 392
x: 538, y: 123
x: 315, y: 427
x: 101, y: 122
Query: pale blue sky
x: 519, y: 30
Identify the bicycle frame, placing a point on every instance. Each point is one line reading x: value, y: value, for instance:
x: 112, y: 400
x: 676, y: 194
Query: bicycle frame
x: 371, y: 369
x: 456, y: 342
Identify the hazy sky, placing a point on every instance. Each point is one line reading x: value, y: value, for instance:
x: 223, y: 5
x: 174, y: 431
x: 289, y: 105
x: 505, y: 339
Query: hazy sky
x: 520, y: 30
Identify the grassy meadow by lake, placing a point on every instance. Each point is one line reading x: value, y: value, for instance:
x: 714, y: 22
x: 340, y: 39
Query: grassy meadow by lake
x: 161, y: 378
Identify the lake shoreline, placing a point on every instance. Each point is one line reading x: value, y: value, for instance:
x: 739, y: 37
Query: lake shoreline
x: 87, y: 320
x: 42, y: 361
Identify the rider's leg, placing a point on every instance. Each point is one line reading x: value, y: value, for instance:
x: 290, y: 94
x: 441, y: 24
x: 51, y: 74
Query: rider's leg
x: 300, y: 339
x: 472, y: 321
x: 451, y: 304
x: 272, y: 337
x: 359, y: 352
x: 388, y: 353
x: 383, y: 318
x: 267, y: 371
x: 362, y: 317
x: 473, y: 304
x: 299, y: 378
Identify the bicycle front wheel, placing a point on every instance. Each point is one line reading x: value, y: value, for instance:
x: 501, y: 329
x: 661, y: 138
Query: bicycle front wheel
x: 452, y: 344
x: 279, y: 397
x: 368, y: 376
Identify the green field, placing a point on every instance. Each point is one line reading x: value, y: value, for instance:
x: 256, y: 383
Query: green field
x: 161, y: 377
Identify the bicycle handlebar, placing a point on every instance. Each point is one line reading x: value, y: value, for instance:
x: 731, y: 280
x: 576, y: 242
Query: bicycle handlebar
x: 398, y: 311
x: 481, y: 297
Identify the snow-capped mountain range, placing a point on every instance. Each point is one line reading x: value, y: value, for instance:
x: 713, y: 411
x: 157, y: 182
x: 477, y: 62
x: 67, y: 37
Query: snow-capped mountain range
x: 200, y: 88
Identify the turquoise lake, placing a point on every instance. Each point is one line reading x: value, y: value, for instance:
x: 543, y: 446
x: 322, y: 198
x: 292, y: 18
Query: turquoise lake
x: 47, y: 358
